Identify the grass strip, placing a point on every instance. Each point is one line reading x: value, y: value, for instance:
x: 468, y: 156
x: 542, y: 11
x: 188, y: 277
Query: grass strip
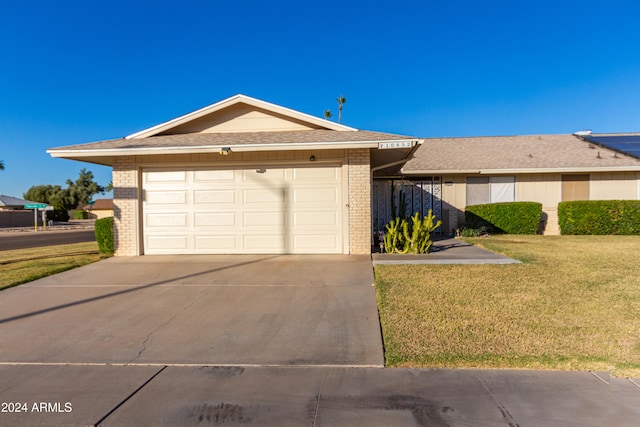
x: 25, y: 265
x: 574, y: 304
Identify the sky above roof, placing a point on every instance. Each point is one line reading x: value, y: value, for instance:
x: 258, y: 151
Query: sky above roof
x: 75, y: 72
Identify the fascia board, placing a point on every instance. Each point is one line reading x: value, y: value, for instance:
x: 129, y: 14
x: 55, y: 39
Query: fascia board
x: 523, y: 170
x: 232, y: 101
x: 215, y: 148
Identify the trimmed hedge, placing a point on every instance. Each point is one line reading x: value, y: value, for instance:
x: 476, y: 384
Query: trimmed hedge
x: 599, y: 217
x: 505, y: 218
x: 104, y: 234
x: 79, y: 214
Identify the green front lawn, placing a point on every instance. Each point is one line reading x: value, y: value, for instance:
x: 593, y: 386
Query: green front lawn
x: 573, y: 304
x: 24, y: 265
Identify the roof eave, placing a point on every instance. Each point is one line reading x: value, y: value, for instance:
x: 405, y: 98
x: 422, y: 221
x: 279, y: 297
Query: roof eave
x: 76, y: 153
x: 505, y: 171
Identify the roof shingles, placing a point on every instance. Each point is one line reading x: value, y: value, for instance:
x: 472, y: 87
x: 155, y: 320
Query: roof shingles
x: 231, y: 139
x: 512, y: 152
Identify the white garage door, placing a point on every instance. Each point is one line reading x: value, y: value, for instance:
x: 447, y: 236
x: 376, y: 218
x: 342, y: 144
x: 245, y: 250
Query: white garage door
x: 266, y: 210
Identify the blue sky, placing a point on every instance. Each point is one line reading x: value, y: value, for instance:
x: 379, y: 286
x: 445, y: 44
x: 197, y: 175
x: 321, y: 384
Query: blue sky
x: 81, y: 71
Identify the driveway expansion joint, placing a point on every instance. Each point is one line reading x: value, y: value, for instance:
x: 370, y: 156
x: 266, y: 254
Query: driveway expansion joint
x: 126, y: 399
x: 634, y: 383
x: 503, y: 409
x: 599, y: 377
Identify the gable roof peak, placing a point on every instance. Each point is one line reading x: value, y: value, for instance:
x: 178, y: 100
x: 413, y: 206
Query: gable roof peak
x: 234, y: 100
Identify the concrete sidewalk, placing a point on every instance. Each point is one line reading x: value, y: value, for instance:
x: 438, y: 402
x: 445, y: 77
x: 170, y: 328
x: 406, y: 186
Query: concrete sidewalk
x: 311, y: 396
x: 72, y: 224
x: 446, y: 251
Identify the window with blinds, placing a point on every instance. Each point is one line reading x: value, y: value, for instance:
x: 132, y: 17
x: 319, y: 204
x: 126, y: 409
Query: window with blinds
x: 490, y: 189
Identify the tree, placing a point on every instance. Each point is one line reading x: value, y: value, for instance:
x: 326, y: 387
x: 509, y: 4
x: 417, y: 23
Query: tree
x: 52, y: 195
x: 76, y: 193
x: 327, y: 114
x: 81, y: 191
x: 341, y: 101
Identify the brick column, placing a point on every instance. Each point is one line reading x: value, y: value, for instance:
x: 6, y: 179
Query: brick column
x: 359, y: 201
x: 125, y: 206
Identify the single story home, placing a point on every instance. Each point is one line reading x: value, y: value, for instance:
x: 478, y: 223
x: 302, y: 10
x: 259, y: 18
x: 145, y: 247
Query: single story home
x: 100, y: 208
x: 14, y: 214
x: 541, y: 168
x: 243, y: 176
x: 247, y: 176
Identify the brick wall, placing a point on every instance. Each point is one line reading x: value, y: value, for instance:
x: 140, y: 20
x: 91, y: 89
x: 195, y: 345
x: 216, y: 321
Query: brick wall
x: 359, y: 201
x: 125, y: 206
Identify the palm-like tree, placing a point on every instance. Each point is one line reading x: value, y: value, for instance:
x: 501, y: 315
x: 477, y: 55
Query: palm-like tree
x: 327, y: 114
x: 341, y: 101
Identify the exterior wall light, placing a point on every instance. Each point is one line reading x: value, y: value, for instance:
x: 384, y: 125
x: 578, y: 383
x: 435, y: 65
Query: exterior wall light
x: 312, y: 158
x: 225, y: 151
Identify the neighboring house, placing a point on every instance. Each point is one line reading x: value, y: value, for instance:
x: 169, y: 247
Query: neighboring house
x: 243, y: 176
x: 101, y: 208
x: 246, y: 176
x: 542, y: 168
x: 13, y: 213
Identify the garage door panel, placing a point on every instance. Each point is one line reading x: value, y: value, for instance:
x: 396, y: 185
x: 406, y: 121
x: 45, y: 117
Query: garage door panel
x: 221, y: 219
x: 207, y: 197
x: 315, y: 195
x: 165, y: 197
x: 214, y: 175
x: 265, y: 243
x: 274, y: 195
x: 166, y: 176
x: 263, y: 219
x: 167, y: 243
x: 166, y: 220
x: 227, y: 243
x: 315, y: 218
x: 243, y: 210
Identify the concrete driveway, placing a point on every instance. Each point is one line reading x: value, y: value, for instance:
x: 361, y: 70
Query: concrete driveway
x: 200, y: 310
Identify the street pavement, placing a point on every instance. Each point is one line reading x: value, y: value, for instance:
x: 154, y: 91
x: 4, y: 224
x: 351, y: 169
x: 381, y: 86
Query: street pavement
x: 33, y: 239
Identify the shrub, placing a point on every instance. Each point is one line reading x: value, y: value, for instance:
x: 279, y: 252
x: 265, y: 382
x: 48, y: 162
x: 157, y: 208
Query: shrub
x: 599, y: 217
x: 79, y: 214
x: 58, y: 215
x: 104, y: 234
x: 509, y: 218
x: 474, y: 232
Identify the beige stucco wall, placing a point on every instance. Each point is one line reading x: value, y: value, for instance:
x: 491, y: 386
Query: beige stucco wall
x: 614, y: 186
x: 127, y: 173
x: 99, y: 214
x: 546, y: 189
